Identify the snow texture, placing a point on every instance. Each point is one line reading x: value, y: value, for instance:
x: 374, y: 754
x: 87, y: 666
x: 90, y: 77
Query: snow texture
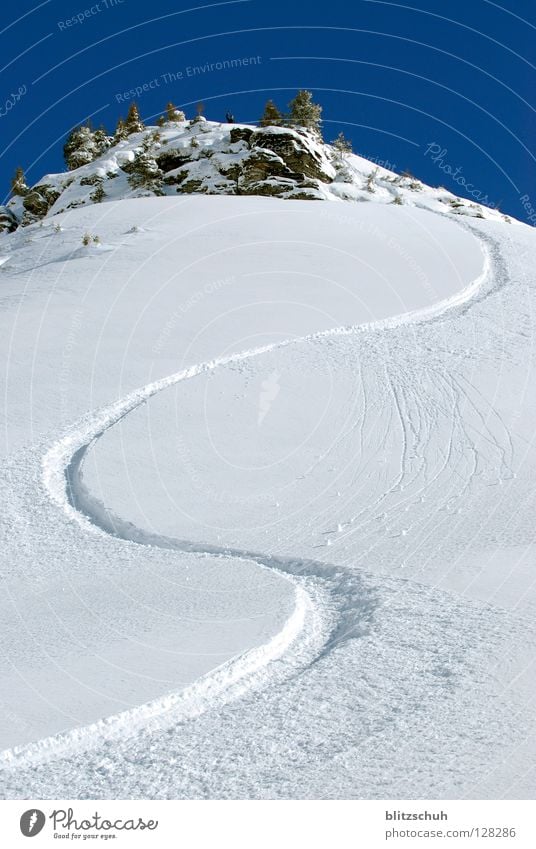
x: 268, y: 503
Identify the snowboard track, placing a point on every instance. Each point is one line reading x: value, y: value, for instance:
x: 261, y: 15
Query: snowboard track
x: 333, y: 603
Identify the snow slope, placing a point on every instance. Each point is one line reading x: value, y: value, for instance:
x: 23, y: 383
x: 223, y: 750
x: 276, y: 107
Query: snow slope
x: 353, y: 404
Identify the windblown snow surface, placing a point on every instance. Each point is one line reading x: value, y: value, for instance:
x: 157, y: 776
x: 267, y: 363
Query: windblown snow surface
x: 268, y: 503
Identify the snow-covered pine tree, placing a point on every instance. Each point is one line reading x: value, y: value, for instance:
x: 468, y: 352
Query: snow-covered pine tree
x: 99, y: 194
x: 304, y: 112
x: 271, y: 117
x: 342, y: 145
x: 145, y: 173
x: 133, y: 123
x: 102, y: 140
x: 18, y: 183
x: 120, y: 131
x: 80, y: 147
x: 174, y: 114
x: 146, y: 143
x: 199, y: 118
x: 370, y: 182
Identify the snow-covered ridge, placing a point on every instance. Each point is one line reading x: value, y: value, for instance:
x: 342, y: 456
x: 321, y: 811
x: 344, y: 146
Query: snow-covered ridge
x: 200, y: 156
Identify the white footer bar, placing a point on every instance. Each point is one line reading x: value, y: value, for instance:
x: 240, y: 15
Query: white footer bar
x: 270, y: 824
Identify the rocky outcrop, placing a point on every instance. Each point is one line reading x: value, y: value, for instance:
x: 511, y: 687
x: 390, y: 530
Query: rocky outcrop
x: 189, y: 157
x: 212, y: 158
x: 168, y: 160
x: 38, y: 201
x: 274, y: 161
x: 8, y: 221
x: 264, y: 172
x: 239, y: 134
x: 300, y: 153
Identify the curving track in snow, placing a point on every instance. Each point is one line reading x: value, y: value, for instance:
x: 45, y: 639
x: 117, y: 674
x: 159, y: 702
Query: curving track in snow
x: 425, y: 633
x: 330, y: 613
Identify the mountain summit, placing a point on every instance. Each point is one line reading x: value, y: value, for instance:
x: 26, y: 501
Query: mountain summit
x: 206, y: 157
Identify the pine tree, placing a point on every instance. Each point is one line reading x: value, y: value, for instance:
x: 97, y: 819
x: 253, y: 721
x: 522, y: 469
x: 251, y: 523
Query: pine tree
x: 18, y: 183
x: 120, y: 131
x: 304, y: 112
x: 133, y: 124
x: 102, y: 140
x: 174, y: 114
x: 370, y: 182
x: 200, y: 108
x: 342, y: 145
x: 342, y: 148
x: 161, y: 121
x: 80, y: 147
x: 145, y: 173
x: 99, y: 194
x: 272, y: 116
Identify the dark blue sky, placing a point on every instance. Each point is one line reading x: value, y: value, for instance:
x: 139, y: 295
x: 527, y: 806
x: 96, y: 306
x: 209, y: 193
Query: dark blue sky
x: 394, y: 77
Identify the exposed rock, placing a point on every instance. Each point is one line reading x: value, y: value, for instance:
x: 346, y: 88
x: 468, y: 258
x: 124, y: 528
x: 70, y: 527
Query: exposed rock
x: 277, y: 164
x: 265, y: 172
x: 171, y: 159
x: 91, y: 180
x: 178, y: 176
x: 298, y: 152
x: 282, y: 187
x: 238, y: 134
x: 191, y: 186
x: 231, y: 170
x: 8, y: 221
x: 305, y: 195
x: 38, y: 201
x: 262, y: 164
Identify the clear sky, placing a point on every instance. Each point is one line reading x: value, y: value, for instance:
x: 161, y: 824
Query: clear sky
x: 445, y: 90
